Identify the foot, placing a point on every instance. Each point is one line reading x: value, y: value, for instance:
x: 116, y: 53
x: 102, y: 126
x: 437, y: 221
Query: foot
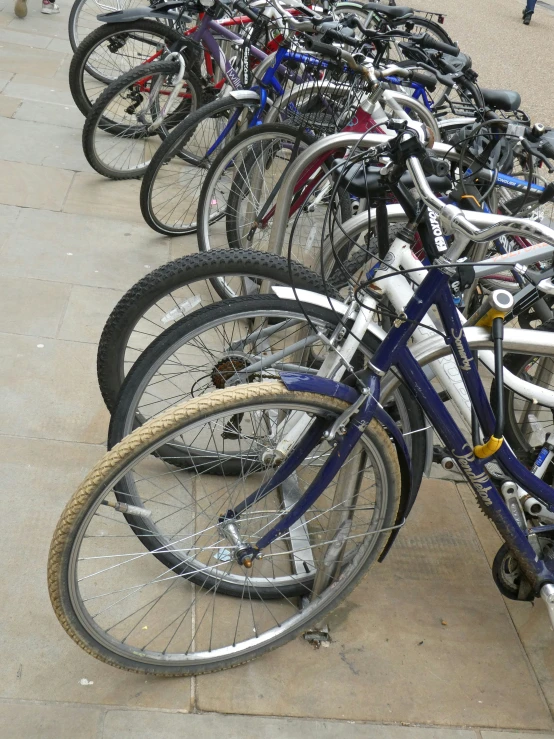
x: 526, y: 17
x: 49, y: 8
x: 20, y: 8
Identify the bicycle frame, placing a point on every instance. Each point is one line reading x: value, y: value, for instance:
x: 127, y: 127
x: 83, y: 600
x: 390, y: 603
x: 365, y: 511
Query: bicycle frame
x: 434, y: 291
x: 402, y: 290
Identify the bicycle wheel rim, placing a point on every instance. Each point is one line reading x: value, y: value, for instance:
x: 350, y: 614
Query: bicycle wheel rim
x: 211, y: 659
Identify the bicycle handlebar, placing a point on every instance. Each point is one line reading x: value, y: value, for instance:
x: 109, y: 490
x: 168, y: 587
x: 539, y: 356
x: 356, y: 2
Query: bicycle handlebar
x: 427, y: 79
x: 341, y: 38
x: 456, y: 219
x: 246, y: 10
x: 426, y: 41
x: 318, y: 47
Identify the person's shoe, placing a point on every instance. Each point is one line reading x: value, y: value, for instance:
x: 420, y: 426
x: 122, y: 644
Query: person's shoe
x: 49, y: 8
x: 20, y: 8
x: 527, y: 17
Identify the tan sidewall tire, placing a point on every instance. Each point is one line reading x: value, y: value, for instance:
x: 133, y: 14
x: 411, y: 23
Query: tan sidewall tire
x: 137, y: 444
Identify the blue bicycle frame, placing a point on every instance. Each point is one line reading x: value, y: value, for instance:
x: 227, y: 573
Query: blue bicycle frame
x: 433, y: 291
x: 268, y: 82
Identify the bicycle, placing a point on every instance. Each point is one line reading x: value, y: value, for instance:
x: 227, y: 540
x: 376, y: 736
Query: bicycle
x: 327, y: 525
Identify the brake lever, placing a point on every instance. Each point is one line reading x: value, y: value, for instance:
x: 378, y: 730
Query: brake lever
x: 538, y: 154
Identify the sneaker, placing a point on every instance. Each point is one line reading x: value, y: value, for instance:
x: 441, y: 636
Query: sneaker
x: 49, y: 8
x: 20, y: 8
x: 527, y: 17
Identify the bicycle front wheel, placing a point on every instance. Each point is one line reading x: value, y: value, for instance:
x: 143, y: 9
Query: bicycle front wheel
x: 172, y: 184
x: 238, y: 197
x: 124, y: 605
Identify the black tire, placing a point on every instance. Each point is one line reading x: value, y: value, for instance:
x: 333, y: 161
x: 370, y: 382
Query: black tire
x: 205, y: 219
x: 544, y: 417
x: 174, y: 146
x: 97, y: 120
x: 180, y: 273
x: 432, y: 27
x: 77, y: 8
x: 124, y: 419
x: 81, y: 67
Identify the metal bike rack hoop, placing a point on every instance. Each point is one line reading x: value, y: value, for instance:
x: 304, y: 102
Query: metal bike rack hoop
x: 328, y: 144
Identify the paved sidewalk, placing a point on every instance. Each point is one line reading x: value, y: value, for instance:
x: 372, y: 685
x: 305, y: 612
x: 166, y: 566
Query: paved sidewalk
x: 425, y: 641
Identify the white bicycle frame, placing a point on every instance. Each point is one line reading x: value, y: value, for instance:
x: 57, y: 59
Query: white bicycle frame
x: 399, y: 291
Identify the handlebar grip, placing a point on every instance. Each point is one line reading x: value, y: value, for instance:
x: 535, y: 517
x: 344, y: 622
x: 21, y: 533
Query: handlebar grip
x: 341, y: 38
x: 429, y: 42
x: 246, y: 10
x: 328, y: 50
x: 547, y: 148
x: 427, y: 79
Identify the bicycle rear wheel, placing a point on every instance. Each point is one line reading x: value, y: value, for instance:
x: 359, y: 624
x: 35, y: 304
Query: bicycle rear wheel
x: 167, y: 294
x: 123, y: 129
x: 128, y: 607
x: 220, y: 345
x: 112, y: 50
x: 83, y: 16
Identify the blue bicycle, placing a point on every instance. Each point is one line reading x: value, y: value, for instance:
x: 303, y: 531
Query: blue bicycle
x: 168, y: 571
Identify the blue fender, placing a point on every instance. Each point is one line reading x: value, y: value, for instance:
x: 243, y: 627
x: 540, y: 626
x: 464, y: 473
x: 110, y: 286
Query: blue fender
x: 333, y: 389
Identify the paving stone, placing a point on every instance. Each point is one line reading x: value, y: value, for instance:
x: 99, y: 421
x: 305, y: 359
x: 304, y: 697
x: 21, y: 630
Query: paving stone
x: 62, y: 45
x: 531, y: 619
x: 180, y: 246
x: 39, y: 89
x: 64, y: 116
x: 52, y: 721
x: 425, y: 638
x: 21, y: 38
x: 39, y: 661
x: 8, y: 218
x: 514, y: 735
x: 8, y: 106
x: 125, y: 724
x: 32, y: 307
x: 41, y: 143
x: 31, y: 186
x: 38, y: 62
x: 49, y: 390
x: 45, y: 25
x: 87, y: 311
x: 86, y: 250
x: 5, y: 77
x: 92, y: 194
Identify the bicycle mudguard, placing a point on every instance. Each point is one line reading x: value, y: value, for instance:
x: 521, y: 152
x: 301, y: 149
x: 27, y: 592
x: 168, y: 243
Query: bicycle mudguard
x: 134, y: 14
x: 325, y: 386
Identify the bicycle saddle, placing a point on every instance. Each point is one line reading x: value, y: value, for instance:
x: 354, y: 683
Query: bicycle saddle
x: 392, y: 12
x: 506, y: 100
x: 366, y: 182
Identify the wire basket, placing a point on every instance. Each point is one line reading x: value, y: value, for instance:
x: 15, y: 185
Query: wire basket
x: 319, y: 95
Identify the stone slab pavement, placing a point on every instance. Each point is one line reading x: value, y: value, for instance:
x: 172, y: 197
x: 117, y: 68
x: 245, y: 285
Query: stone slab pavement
x: 425, y: 647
